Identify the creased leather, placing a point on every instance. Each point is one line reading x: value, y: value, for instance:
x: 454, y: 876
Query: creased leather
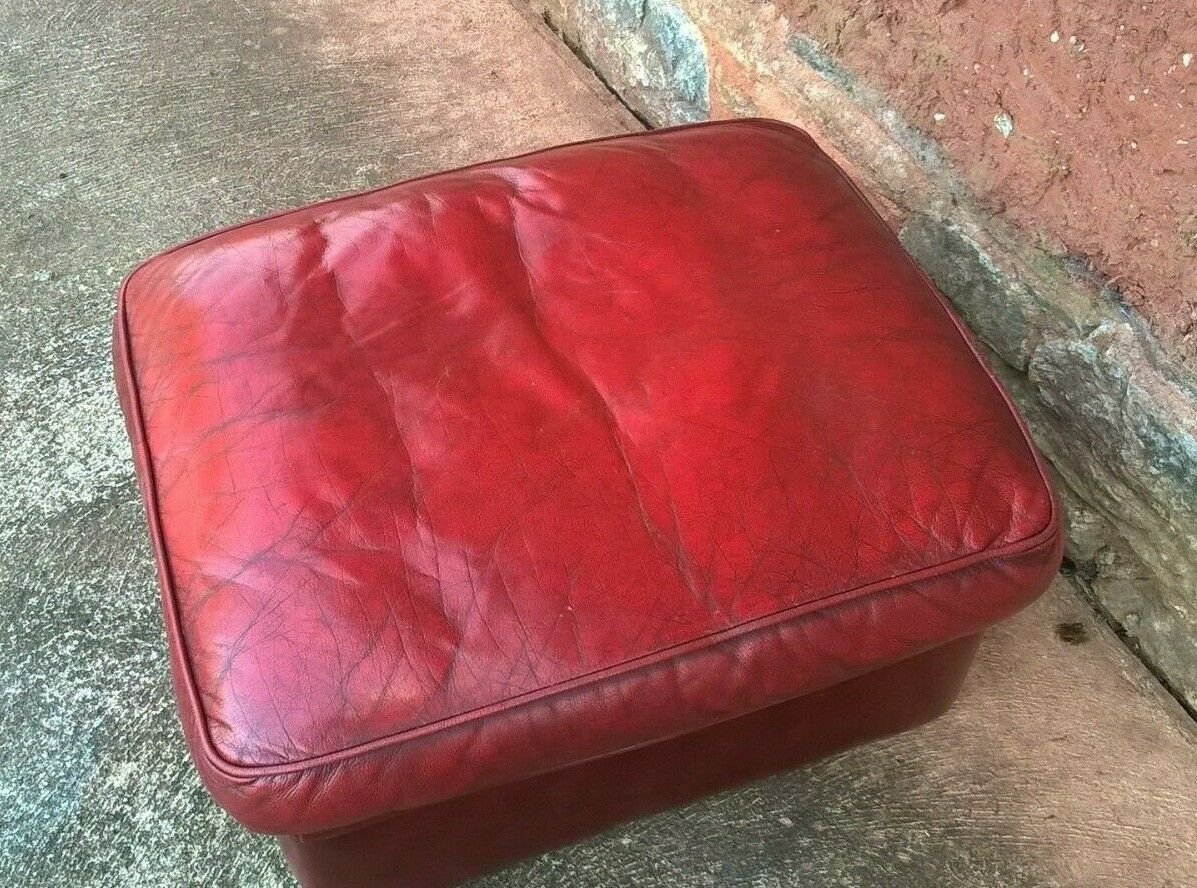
x: 492, y: 472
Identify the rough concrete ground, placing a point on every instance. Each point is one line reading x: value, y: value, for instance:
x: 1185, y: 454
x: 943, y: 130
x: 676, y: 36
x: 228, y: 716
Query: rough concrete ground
x: 126, y: 126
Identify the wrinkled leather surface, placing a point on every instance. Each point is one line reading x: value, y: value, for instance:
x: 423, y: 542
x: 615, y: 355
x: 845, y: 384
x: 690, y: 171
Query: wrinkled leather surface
x: 484, y: 474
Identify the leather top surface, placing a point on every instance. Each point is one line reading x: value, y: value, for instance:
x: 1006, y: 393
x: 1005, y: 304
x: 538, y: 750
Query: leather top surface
x: 425, y: 453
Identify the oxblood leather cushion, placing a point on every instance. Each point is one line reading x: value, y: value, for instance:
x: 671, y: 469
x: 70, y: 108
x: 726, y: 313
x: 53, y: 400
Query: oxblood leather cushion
x: 477, y: 476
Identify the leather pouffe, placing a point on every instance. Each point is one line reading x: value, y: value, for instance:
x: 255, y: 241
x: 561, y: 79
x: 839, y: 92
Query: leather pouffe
x: 497, y: 506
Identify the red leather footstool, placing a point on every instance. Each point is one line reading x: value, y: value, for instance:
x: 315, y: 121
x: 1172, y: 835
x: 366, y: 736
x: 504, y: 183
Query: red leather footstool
x: 498, y: 506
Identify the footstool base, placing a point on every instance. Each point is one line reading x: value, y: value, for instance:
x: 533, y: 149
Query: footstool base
x: 447, y: 843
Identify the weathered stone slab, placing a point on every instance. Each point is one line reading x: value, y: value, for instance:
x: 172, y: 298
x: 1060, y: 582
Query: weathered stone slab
x: 1118, y: 423
x: 650, y: 47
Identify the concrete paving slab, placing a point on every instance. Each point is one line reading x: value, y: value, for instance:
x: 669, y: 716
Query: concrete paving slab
x: 126, y: 126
